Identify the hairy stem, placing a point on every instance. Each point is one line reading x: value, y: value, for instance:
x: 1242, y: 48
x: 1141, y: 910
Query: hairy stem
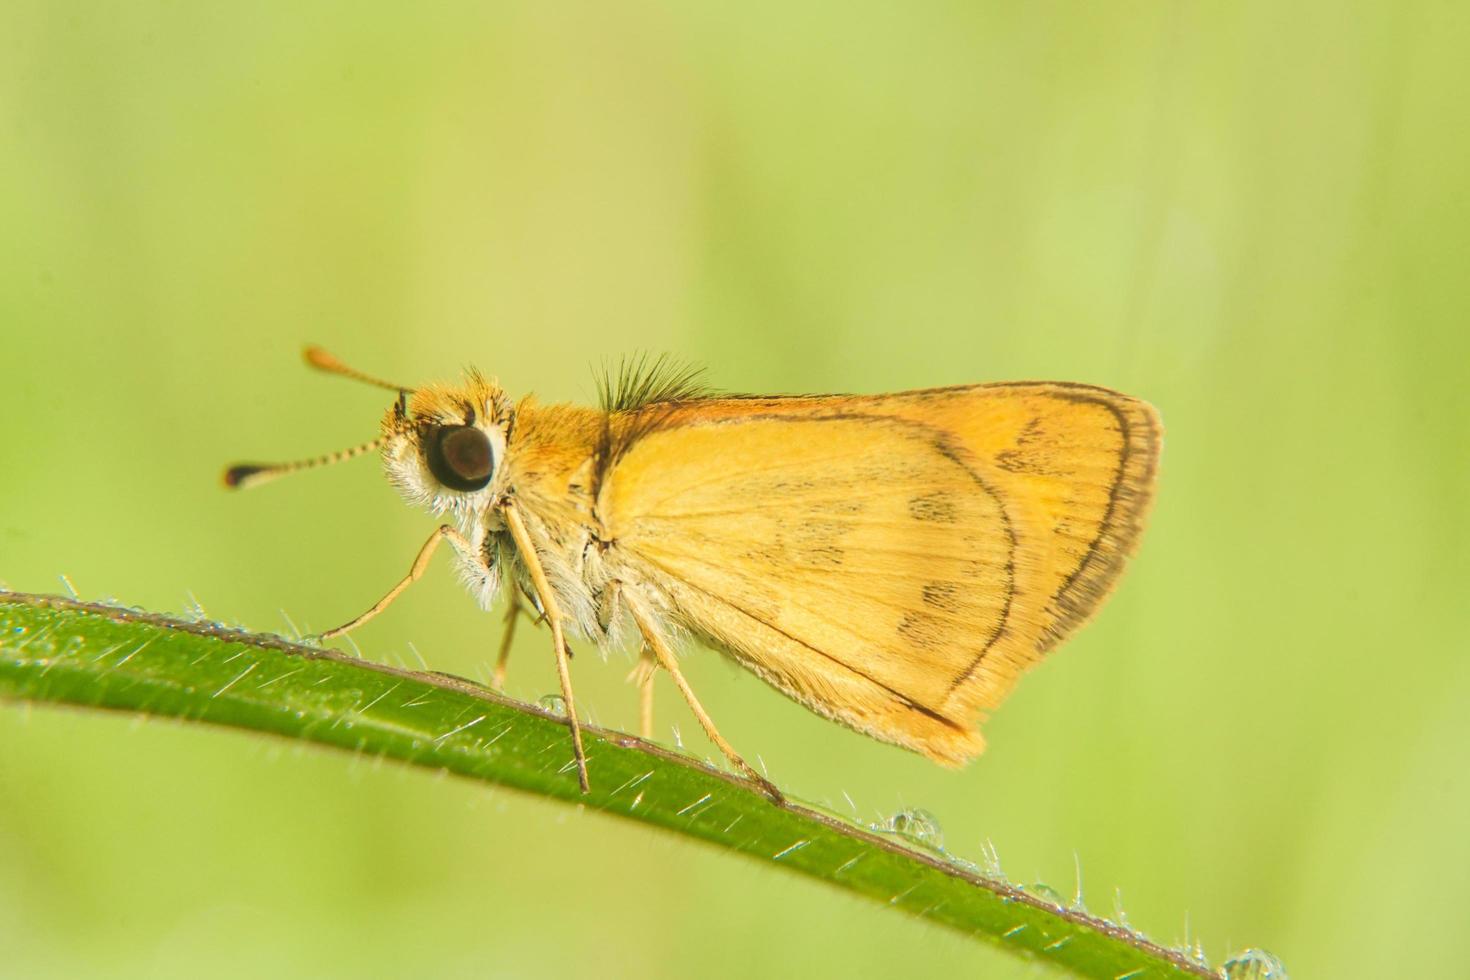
x: 61, y: 651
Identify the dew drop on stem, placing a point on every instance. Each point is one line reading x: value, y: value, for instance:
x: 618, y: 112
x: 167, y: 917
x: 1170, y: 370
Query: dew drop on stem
x: 1254, y: 964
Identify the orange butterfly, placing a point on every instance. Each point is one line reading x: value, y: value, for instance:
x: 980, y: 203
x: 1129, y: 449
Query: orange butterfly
x: 893, y: 562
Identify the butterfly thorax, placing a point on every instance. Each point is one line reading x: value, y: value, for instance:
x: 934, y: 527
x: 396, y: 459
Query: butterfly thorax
x: 553, y: 467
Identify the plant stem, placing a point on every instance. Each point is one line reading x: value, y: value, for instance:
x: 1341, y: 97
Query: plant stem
x: 61, y: 651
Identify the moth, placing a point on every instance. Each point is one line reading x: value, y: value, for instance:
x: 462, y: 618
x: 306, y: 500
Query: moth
x: 893, y: 562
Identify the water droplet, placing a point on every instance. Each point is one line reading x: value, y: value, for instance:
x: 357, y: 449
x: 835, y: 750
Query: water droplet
x: 919, y: 826
x: 1048, y: 894
x: 19, y: 630
x: 1254, y: 964
x: 554, y: 703
x: 969, y: 867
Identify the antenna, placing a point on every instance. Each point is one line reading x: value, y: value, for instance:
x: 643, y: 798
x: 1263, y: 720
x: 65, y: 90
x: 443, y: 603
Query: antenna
x: 322, y: 360
x: 243, y: 475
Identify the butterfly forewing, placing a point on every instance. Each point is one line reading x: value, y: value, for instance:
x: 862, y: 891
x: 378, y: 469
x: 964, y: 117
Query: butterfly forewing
x: 1076, y: 466
x: 891, y: 561
x: 857, y: 537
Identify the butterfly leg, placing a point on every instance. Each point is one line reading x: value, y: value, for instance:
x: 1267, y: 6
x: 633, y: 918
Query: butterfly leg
x: 512, y: 616
x: 670, y: 663
x: 552, y: 611
x: 420, y: 564
x: 642, y: 675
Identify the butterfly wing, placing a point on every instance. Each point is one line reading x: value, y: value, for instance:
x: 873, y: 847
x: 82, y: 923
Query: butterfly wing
x: 893, y: 562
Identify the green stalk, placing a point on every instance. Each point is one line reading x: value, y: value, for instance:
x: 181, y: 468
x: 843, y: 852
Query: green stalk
x: 61, y: 651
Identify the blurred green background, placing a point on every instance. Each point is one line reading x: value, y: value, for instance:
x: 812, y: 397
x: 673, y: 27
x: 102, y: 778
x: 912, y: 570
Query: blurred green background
x: 1256, y: 216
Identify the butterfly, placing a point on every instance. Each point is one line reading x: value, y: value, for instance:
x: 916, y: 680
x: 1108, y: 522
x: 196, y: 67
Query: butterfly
x: 894, y: 562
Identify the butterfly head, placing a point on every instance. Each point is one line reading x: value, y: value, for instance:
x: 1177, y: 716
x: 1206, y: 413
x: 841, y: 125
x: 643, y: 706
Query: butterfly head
x: 442, y: 445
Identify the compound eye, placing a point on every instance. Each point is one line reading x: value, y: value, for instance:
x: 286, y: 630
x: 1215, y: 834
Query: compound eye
x: 460, y: 457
